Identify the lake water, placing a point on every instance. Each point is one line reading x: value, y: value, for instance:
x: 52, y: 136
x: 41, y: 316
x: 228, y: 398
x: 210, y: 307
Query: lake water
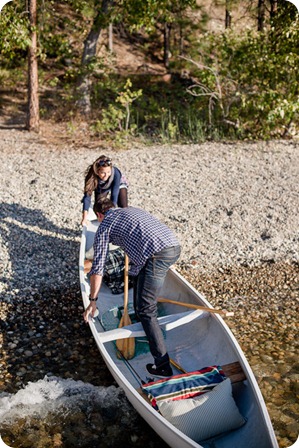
x: 56, y: 412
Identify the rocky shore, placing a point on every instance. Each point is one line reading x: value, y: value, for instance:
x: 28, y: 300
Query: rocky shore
x: 235, y: 209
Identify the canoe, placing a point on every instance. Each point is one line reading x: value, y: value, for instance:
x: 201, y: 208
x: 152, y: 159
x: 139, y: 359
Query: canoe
x: 197, y: 341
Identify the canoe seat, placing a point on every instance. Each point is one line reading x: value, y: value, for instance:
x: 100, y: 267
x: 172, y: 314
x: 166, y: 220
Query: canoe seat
x: 234, y: 371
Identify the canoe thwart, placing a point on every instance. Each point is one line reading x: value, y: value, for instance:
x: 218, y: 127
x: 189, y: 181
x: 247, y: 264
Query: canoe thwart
x: 136, y: 330
x: 197, y: 307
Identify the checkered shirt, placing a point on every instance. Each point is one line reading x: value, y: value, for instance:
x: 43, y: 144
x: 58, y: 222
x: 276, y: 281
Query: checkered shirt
x: 136, y: 231
x: 114, y: 271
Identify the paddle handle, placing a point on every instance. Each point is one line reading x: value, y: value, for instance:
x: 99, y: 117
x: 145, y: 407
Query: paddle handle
x: 126, y: 284
x: 196, y: 307
x: 177, y: 366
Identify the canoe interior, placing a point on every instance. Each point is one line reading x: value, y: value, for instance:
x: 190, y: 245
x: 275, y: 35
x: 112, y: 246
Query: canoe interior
x: 203, y: 342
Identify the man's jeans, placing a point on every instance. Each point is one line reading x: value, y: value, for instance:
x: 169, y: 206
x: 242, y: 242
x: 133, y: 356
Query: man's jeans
x: 147, y: 286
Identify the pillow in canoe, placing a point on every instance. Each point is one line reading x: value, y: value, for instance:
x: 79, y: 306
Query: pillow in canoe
x: 200, y: 403
x: 114, y: 269
x: 207, y: 415
x: 185, y: 385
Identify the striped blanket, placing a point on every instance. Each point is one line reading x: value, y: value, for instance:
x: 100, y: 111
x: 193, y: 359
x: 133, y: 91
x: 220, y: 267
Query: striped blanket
x: 183, y: 386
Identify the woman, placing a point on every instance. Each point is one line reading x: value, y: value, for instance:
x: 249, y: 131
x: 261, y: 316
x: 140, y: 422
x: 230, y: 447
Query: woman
x: 103, y: 178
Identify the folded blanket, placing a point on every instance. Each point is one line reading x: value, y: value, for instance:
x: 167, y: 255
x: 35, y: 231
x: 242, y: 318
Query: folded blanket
x: 186, y: 385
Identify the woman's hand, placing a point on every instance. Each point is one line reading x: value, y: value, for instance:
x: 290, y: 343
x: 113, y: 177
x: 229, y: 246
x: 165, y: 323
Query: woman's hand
x: 84, y: 220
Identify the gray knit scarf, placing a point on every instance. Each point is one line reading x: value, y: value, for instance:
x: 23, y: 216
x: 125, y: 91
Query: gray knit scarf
x: 106, y: 184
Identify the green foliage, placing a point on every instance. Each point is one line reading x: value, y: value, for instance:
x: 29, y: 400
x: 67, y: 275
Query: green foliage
x: 250, y: 81
x: 117, y: 118
x: 14, y: 36
x: 147, y: 13
x: 165, y: 111
x: 234, y: 85
x: 126, y: 98
x: 55, y: 26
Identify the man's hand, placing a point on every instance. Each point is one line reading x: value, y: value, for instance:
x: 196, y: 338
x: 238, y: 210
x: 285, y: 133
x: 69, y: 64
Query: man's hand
x: 90, y: 310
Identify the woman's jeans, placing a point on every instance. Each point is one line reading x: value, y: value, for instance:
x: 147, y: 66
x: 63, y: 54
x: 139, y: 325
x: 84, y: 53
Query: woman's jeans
x: 147, y: 287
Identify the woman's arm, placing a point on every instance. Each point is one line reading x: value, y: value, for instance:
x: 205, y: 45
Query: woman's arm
x: 84, y: 219
x: 115, y: 186
x: 86, y: 204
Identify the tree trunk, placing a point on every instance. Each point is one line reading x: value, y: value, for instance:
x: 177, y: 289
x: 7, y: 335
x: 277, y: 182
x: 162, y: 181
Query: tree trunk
x: 261, y: 15
x: 181, y: 41
x: 228, y: 19
x: 228, y: 15
x: 32, y: 120
x: 273, y: 10
x: 89, y: 53
x: 110, y: 38
x: 167, y: 29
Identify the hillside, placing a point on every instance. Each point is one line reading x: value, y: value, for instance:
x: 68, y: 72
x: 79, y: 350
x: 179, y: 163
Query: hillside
x: 230, y: 100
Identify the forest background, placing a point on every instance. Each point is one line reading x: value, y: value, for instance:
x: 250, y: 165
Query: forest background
x: 182, y: 71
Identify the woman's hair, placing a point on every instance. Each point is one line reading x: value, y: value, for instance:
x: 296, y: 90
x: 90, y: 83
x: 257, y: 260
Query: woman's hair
x: 102, y: 206
x: 91, y: 177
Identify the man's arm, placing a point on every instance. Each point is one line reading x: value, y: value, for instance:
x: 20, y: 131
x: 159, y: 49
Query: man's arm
x: 95, y: 286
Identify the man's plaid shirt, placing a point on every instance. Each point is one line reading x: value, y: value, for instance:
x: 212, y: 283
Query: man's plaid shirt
x: 136, y: 231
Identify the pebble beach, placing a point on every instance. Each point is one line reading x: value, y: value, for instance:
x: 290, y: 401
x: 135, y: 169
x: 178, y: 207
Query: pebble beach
x: 235, y: 210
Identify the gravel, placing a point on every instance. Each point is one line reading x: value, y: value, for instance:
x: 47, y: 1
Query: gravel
x: 229, y: 204
x: 234, y: 207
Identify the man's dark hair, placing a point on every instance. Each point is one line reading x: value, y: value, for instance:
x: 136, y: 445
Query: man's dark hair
x: 103, y: 205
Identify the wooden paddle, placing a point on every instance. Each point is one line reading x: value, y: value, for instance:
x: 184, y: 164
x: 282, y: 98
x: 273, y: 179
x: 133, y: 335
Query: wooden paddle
x: 197, y: 307
x: 126, y: 346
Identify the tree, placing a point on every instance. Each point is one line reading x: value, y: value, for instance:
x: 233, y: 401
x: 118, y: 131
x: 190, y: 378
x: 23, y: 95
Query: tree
x: 273, y: 9
x: 228, y: 14
x: 261, y: 15
x: 136, y: 14
x: 101, y: 21
x: 32, y: 122
x: 166, y: 53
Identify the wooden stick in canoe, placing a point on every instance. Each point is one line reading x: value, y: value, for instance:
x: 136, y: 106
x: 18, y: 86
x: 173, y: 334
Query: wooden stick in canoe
x: 126, y: 346
x: 197, y: 307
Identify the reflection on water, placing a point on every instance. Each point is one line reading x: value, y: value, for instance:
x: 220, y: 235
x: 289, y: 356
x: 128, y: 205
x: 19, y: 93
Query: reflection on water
x: 55, y: 412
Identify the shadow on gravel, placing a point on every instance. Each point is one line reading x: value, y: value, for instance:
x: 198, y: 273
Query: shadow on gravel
x: 38, y: 252
x: 43, y: 335
x: 41, y: 309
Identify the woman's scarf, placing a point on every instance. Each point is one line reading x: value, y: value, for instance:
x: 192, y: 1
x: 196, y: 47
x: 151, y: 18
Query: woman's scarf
x: 106, y: 184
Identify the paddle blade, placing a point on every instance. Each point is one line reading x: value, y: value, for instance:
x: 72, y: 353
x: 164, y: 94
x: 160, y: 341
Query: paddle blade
x: 125, y: 346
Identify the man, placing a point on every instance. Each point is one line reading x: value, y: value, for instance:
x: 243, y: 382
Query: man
x: 152, y: 248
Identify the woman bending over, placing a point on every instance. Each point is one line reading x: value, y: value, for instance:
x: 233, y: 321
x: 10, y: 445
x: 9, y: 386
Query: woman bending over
x: 103, y: 178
